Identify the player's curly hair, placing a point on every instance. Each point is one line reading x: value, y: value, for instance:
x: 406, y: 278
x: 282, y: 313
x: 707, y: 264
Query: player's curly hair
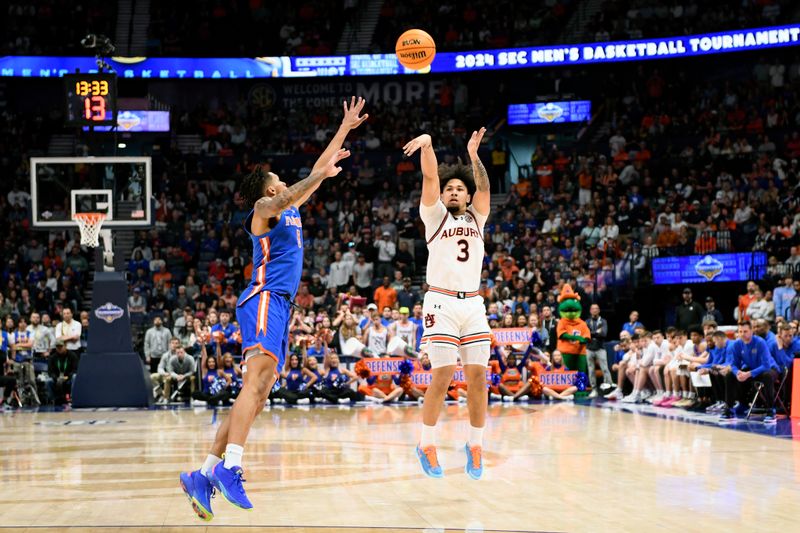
x: 252, y: 188
x: 457, y: 171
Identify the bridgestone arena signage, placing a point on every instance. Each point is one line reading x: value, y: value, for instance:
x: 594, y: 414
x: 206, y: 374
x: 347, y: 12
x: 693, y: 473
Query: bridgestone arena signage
x: 386, y: 64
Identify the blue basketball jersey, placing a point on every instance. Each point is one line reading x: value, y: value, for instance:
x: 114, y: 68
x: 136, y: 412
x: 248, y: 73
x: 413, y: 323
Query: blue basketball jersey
x: 277, y: 257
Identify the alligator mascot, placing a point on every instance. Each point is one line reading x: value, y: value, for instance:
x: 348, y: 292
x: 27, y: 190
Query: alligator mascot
x: 572, y: 332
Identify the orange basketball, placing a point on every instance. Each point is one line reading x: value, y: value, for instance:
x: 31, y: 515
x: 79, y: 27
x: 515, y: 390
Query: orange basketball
x: 415, y: 49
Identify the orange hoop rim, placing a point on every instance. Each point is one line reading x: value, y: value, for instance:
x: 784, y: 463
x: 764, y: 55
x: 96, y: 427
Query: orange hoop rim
x: 89, y: 217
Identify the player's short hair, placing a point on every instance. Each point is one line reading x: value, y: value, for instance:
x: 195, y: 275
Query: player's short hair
x: 456, y: 171
x: 252, y: 187
x: 719, y: 334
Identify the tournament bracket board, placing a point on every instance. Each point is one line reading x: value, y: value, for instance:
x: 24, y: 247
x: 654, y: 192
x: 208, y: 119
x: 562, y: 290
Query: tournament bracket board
x: 119, y: 187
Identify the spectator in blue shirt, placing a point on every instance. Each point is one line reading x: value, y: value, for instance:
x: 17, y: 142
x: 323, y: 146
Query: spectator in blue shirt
x: 749, y: 361
x: 718, y: 359
x: 784, y: 348
x: 782, y: 296
x: 632, y: 323
x: 225, y: 334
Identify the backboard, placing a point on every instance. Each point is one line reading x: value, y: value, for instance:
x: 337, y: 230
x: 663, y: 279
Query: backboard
x: 120, y: 187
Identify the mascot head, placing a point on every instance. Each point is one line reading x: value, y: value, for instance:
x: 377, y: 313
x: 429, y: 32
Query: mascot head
x: 569, y: 303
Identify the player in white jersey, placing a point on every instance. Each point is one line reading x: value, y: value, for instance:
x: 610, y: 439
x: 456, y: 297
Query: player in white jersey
x: 454, y: 207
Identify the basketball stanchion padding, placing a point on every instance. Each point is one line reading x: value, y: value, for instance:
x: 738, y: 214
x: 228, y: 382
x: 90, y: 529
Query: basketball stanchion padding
x: 110, y: 373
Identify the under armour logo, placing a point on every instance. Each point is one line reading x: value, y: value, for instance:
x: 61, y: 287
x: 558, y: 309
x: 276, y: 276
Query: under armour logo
x: 437, y: 306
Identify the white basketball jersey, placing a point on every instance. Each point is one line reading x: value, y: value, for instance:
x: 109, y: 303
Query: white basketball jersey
x: 455, y: 247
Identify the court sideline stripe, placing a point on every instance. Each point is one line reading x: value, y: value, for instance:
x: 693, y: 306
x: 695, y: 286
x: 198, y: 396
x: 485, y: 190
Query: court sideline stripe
x: 254, y: 526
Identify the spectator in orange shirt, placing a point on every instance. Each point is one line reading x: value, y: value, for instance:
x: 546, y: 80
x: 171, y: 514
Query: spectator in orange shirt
x: 509, y: 268
x: 667, y: 238
x: 385, y: 295
x: 304, y: 298
x: 524, y: 188
x: 163, y: 275
x: 706, y: 242
x: 545, y: 174
x: 584, y: 186
x: 745, y: 300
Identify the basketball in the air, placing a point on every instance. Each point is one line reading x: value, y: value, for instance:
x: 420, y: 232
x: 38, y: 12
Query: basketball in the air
x: 415, y: 49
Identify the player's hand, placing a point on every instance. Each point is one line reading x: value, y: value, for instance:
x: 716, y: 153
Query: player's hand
x: 351, y: 119
x: 475, y: 143
x: 423, y: 141
x: 331, y: 169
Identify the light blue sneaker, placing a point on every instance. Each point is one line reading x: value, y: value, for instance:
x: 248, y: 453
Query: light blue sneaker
x: 228, y: 481
x: 199, y: 491
x: 474, y: 466
x: 429, y: 461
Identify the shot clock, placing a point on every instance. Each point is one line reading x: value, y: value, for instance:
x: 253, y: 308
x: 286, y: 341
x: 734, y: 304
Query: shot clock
x: 91, y: 99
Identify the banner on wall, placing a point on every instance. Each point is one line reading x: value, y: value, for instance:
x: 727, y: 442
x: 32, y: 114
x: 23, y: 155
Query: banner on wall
x: 389, y: 365
x: 506, y: 336
x: 387, y: 65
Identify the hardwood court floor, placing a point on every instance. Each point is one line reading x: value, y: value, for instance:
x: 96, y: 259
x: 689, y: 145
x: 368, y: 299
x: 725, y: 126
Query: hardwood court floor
x: 549, y: 468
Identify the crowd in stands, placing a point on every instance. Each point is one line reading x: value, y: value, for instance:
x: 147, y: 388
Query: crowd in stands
x: 688, y: 166
x: 232, y: 28
x: 620, y: 20
x: 474, y: 25
x: 52, y: 26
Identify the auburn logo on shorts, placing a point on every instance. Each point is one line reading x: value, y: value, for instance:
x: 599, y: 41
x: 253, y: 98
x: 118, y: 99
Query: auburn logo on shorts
x: 430, y: 320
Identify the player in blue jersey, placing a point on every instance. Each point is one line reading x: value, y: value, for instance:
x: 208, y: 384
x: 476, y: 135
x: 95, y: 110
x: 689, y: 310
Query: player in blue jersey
x: 263, y: 311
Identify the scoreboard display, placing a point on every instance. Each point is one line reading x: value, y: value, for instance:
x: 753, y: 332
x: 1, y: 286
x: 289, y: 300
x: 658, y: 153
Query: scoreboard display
x: 91, y: 99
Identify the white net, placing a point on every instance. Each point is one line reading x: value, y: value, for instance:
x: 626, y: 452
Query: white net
x: 90, y: 224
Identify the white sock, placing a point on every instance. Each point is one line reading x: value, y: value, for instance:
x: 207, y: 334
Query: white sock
x: 211, y: 462
x: 692, y: 395
x: 660, y: 392
x: 475, y: 436
x: 428, y: 436
x: 233, y: 455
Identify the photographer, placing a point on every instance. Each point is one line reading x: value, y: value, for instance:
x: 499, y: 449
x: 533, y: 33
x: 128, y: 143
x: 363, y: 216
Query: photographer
x: 62, y: 366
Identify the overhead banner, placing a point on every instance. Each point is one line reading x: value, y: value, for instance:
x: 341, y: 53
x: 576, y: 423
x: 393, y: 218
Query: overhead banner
x: 387, y: 65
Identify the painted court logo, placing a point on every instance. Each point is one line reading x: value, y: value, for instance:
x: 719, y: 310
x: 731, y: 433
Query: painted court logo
x: 109, y: 312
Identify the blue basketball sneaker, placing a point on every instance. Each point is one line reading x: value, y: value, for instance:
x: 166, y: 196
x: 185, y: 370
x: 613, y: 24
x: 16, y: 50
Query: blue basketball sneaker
x: 228, y: 481
x: 474, y: 466
x: 429, y: 461
x: 199, y: 491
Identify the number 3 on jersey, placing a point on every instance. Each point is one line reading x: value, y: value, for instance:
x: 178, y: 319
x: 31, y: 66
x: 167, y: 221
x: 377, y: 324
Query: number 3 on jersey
x: 464, y: 255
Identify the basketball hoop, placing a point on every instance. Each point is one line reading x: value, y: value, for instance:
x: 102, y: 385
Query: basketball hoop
x: 89, y: 224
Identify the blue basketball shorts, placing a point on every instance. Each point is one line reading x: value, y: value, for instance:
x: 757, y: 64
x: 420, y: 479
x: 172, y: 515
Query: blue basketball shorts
x: 264, y: 323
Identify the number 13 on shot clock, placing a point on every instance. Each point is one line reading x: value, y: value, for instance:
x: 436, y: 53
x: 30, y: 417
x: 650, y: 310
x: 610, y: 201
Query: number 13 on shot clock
x: 91, y: 99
